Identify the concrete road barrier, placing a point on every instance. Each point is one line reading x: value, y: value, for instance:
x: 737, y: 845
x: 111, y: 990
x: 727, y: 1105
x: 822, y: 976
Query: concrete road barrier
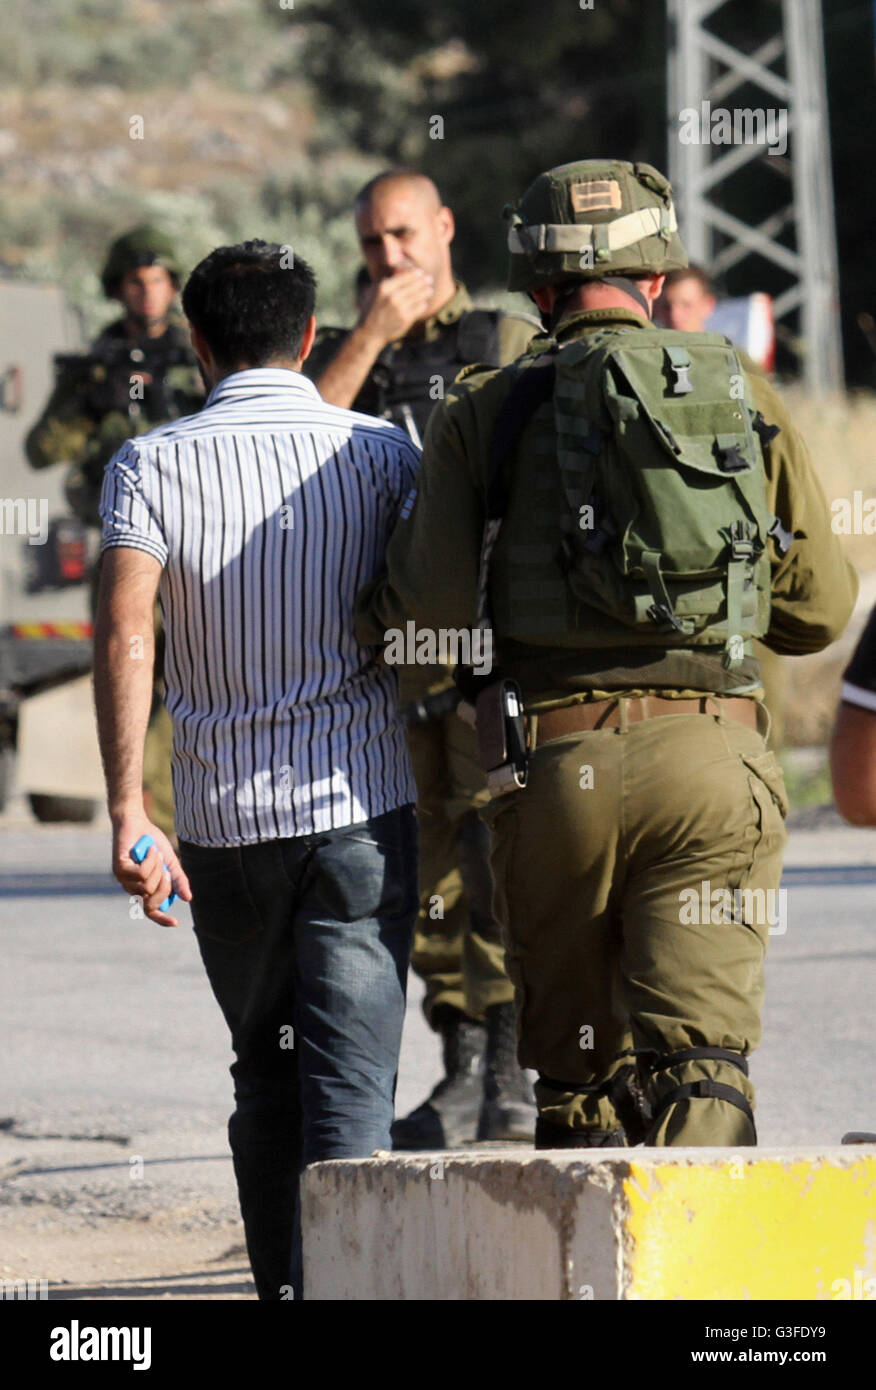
x: 600, y: 1224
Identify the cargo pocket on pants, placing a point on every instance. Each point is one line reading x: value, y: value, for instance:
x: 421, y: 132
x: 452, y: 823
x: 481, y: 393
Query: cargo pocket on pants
x: 767, y: 770
x: 762, y: 897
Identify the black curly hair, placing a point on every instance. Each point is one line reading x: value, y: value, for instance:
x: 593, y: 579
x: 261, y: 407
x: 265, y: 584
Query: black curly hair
x: 251, y: 303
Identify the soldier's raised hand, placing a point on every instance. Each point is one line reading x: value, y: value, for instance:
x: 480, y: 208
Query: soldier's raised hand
x: 399, y: 302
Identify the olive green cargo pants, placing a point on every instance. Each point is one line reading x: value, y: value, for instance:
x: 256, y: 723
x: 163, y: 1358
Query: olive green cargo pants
x: 615, y: 873
x: 458, y: 950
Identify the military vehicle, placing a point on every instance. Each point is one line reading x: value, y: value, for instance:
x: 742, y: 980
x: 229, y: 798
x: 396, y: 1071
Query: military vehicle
x: 48, y: 745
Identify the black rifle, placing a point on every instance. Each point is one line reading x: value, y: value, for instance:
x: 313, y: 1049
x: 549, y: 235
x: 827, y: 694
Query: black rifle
x: 106, y: 377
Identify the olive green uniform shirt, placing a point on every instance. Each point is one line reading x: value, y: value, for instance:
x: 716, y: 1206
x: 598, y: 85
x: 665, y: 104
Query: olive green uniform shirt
x: 515, y: 335
x: 515, y: 332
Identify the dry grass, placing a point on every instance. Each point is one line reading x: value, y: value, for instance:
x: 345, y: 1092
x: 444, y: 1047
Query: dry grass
x: 841, y: 434
x: 59, y: 138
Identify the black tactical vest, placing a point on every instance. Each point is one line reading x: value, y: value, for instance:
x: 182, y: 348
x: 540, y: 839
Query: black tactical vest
x: 407, y: 380
x: 113, y: 361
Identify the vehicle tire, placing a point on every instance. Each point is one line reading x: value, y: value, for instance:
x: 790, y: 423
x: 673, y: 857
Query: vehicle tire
x: 7, y: 772
x: 51, y: 809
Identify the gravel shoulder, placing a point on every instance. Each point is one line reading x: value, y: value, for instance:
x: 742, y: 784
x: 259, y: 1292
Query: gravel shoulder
x: 155, y: 1257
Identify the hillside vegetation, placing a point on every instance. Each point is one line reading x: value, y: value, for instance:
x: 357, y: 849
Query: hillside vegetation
x: 262, y: 119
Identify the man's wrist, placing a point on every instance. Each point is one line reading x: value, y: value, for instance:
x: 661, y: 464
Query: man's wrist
x: 130, y: 809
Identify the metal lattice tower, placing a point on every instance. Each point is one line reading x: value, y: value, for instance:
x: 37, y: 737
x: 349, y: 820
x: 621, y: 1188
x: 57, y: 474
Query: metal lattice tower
x: 705, y: 68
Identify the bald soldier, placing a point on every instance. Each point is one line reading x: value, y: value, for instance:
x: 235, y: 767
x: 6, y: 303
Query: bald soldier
x: 417, y: 329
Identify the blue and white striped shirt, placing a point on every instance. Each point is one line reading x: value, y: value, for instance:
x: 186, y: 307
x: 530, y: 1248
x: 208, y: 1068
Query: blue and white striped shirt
x: 268, y: 511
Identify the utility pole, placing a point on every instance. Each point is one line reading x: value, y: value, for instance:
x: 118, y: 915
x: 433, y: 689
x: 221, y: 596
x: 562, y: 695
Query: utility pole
x: 795, y: 232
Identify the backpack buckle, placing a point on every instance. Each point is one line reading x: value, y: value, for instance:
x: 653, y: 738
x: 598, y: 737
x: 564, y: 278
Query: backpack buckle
x: 766, y: 432
x: 730, y: 460
x: 664, y: 617
x: 683, y: 383
x: 679, y: 361
x: 782, y: 538
x: 741, y: 542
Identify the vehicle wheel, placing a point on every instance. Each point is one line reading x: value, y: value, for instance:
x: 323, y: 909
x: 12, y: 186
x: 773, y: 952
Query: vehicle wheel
x: 7, y: 773
x: 50, y: 809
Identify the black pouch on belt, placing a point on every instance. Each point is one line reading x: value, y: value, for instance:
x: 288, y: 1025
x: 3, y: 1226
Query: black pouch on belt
x: 502, y: 736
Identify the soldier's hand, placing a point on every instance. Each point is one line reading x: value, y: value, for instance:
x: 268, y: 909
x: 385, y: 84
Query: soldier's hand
x: 399, y: 302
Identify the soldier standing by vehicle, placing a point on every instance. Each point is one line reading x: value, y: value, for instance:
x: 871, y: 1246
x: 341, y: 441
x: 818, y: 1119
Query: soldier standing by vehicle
x: 417, y: 329
x: 629, y: 510
x: 138, y: 373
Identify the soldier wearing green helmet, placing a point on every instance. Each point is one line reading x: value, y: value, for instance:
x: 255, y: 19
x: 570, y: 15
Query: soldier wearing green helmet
x: 141, y: 246
x: 572, y: 222
x: 628, y: 509
x: 140, y: 372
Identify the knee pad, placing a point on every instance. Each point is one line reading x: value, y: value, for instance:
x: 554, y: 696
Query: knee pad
x: 696, y: 1089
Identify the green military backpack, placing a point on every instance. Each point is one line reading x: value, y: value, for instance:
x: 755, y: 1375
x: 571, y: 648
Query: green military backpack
x: 659, y: 449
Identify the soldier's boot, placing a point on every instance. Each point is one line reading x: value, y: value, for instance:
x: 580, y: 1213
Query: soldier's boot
x: 553, y: 1136
x: 509, y: 1105
x: 449, y: 1117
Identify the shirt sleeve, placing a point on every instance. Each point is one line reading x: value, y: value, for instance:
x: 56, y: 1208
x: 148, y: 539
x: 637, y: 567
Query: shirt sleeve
x: 128, y: 516
x: 814, y: 586
x: 859, y: 677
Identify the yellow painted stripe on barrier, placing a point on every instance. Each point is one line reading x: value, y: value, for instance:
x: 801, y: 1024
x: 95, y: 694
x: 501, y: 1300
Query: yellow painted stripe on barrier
x: 752, y: 1228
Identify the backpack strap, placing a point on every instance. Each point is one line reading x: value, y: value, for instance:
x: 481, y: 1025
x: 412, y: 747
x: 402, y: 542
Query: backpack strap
x: 531, y: 386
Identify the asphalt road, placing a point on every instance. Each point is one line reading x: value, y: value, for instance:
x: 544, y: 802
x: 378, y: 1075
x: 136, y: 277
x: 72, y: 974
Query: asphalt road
x: 114, y: 1090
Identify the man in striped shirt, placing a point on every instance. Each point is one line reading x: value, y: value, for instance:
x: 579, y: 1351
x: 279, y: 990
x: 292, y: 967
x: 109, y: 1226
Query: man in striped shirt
x: 256, y: 522
x: 853, y: 746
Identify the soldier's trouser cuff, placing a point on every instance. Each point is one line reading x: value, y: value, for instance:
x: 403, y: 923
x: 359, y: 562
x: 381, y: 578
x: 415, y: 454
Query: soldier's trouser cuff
x: 553, y: 1136
x: 577, y: 1107
x: 441, y: 990
x: 480, y: 996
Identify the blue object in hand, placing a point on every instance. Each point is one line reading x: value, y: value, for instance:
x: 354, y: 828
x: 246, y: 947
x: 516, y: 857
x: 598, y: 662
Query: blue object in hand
x: 138, y: 854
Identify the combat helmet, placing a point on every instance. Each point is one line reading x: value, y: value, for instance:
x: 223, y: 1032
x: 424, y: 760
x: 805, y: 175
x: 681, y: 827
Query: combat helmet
x: 143, y: 245
x: 591, y: 220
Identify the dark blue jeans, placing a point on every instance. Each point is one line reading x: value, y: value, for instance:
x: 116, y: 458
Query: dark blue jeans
x: 306, y: 944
